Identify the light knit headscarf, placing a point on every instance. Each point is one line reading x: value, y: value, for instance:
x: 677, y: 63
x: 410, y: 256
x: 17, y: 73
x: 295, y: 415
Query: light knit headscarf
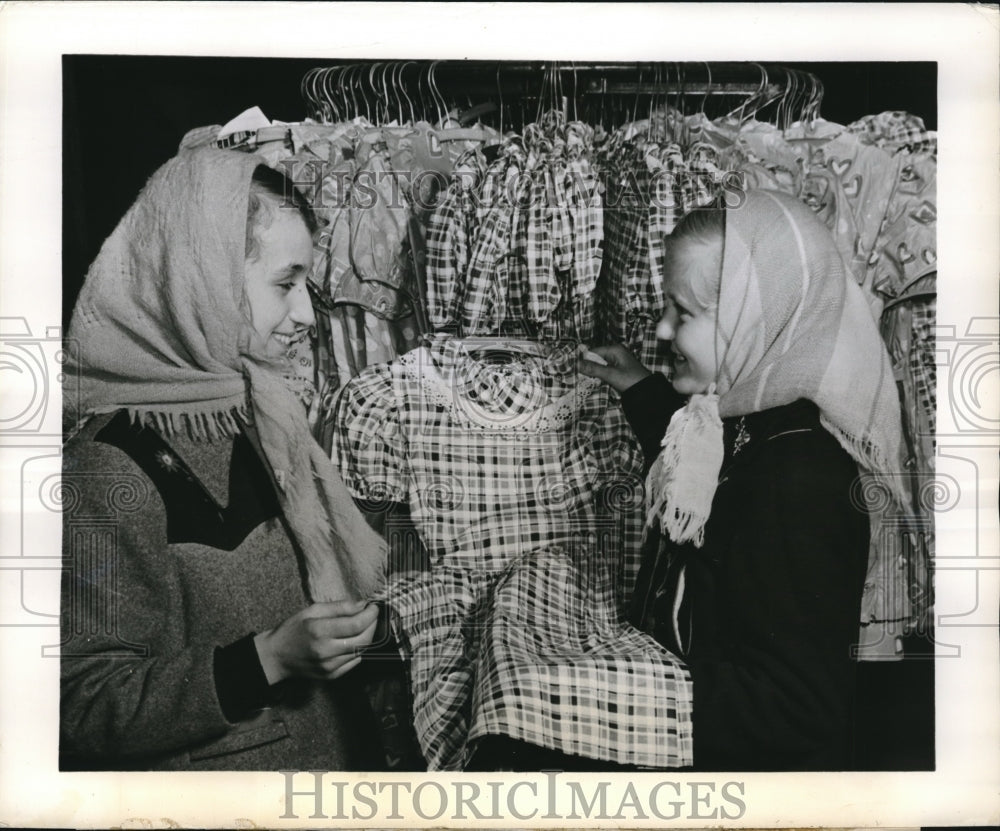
x: 160, y: 330
x: 791, y: 325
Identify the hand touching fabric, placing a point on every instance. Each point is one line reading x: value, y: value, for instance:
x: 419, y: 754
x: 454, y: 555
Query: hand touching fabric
x: 322, y: 641
x: 621, y: 371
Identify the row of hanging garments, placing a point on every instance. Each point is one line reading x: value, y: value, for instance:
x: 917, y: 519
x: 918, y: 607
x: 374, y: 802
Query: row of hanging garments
x: 433, y: 221
x: 518, y: 241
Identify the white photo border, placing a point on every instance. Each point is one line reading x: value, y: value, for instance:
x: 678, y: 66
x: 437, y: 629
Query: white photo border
x: 962, y: 39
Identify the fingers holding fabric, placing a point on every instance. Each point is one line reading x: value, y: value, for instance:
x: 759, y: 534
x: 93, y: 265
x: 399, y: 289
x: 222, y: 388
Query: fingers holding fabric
x: 321, y: 641
x: 620, y: 368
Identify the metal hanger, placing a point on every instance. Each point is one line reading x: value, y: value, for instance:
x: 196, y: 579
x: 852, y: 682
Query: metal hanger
x: 338, y: 88
x: 576, y: 92
x: 761, y: 99
x: 402, y: 87
x: 305, y: 90
x: 421, y: 96
x: 439, y: 102
x: 708, y: 88
x: 357, y: 87
x: 371, y: 91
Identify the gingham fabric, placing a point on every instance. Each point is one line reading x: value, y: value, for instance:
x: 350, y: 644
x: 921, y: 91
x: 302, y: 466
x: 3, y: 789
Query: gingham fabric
x: 922, y: 369
x: 562, y: 230
x: 532, y: 652
x: 895, y: 130
x: 447, y: 253
x: 451, y: 229
x: 629, y: 298
x: 528, y: 261
x: 483, y: 306
x: 649, y: 185
x: 586, y: 213
x: 514, y: 433
x: 544, y: 225
x: 524, y: 483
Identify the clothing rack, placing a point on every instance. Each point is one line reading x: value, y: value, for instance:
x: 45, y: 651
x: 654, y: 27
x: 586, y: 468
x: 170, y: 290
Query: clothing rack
x: 598, y: 92
x: 676, y: 130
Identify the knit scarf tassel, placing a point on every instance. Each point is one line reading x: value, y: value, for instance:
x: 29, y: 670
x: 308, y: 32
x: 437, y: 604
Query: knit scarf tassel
x: 681, y: 484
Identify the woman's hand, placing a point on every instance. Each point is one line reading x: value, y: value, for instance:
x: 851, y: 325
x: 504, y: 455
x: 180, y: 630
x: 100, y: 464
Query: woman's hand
x: 321, y: 641
x: 622, y: 369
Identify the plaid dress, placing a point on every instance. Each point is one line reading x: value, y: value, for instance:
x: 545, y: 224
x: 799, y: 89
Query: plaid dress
x: 629, y: 299
x: 451, y: 229
x: 516, y: 246
x: 524, y: 483
x: 495, y: 250
x: 586, y: 213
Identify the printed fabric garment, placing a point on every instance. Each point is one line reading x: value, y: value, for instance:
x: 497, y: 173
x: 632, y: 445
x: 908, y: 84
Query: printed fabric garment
x: 908, y: 326
x: 629, y: 300
x: 669, y: 187
x: 906, y: 249
x: 895, y: 130
x: 516, y: 245
x: 586, y: 214
x: 494, y: 250
x: 906, y: 264
x: 765, y: 159
x: 450, y: 232
x: 524, y: 483
x: 561, y: 230
x: 356, y: 320
x: 849, y: 185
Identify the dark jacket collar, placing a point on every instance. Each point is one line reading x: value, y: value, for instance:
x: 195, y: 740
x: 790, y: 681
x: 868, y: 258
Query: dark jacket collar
x: 743, y: 434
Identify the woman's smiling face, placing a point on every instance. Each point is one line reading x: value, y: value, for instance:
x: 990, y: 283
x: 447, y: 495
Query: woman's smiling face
x: 690, y: 318
x: 276, y: 290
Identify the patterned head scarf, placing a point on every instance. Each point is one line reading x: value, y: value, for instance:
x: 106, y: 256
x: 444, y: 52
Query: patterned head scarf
x: 160, y: 329
x: 791, y: 325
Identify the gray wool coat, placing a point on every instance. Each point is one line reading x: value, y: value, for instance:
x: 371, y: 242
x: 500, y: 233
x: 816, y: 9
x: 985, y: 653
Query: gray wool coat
x: 171, y: 551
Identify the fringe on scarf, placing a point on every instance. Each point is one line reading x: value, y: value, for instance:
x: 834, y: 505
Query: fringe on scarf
x: 889, y: 484
x: 683, y: 480
x: 198, y: 426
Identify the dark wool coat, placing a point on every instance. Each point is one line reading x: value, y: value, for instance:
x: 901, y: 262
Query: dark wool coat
x: 771, y: 603
x: 176, y: 553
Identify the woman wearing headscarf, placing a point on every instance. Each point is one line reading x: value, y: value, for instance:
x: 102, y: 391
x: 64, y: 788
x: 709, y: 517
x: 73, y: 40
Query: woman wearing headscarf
x: 782, y: 417
x: 217, y: 577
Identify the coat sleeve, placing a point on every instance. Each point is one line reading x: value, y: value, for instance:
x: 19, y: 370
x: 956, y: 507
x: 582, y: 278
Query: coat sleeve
x: 648, y: 406
x: 125, y: 691
x: 775, y: 691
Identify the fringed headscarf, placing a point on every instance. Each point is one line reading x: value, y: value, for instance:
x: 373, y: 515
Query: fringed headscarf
x: 161, y: 329
x: 791, y: 325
